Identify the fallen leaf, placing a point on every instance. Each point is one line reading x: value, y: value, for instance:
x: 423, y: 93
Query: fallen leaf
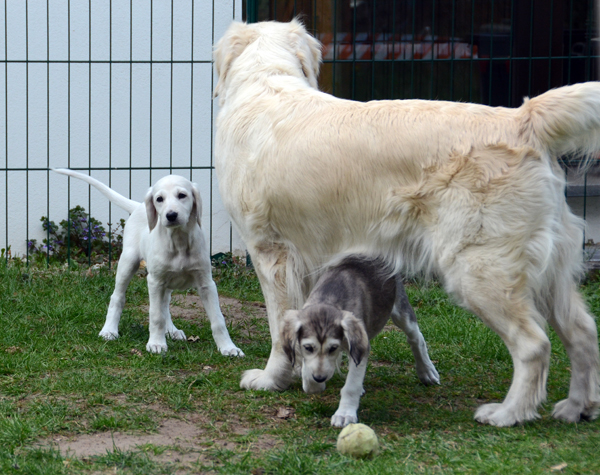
x: 559, y: 467
x: 136, y: 352
x: 13, y: 349
x: 193, y: 338
x: 284, y: 412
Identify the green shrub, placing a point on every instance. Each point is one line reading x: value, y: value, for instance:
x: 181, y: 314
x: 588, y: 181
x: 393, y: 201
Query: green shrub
x: 80, y: 238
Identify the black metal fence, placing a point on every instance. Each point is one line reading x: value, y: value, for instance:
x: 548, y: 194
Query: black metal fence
x: 493, y: 52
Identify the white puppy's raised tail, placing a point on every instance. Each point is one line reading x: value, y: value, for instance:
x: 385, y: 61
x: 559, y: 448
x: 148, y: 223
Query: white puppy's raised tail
x: 565, y: 120
x: 114, y: 197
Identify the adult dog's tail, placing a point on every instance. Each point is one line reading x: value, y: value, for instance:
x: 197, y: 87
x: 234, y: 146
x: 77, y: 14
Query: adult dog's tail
x: 565, y: 120
x: 122, y: 202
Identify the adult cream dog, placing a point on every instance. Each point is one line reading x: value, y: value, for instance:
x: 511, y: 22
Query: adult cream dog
x: 165, y: 232
x: 470, y: 193
x: 349, y: 305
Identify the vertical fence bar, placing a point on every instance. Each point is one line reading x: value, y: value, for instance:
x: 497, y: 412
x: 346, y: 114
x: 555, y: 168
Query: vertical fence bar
x: 110, y: 63
x: 47, y: 133
x: 192, y: 89
x: 27, y: 126
x: 6, y: 124
x: 171, y: 99
x: 89, y: 123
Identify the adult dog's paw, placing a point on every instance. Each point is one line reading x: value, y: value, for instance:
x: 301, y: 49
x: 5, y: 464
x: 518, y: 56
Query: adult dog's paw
x: 109, y: 334
x: 569, y: 411
x: 343, y: 418
x: 260, y: 379
x: 232, y: 351
x: 500, y: 415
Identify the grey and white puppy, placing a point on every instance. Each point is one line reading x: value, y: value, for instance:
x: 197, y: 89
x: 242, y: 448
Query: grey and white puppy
x: 350, y: 305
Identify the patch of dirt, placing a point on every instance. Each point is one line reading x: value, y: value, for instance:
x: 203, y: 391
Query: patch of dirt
x: 177, y: 441
x: 189, y: 307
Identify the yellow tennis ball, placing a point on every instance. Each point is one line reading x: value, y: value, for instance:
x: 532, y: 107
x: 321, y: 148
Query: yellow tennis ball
x: 358, y: 441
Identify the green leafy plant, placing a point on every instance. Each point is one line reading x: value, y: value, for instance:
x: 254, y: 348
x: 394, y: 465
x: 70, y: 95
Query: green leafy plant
x: 80, y: 238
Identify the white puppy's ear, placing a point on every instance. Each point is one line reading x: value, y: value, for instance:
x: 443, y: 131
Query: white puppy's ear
x: 236, y: 38
x: 151, y: 212
x: 197, y: 208
x: 308, y: 51
x: 356, y: 337
x: 289, y: 334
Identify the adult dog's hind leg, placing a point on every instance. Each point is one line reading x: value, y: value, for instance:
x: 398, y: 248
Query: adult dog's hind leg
x: 501, y: 304
x: 128, y: 265
x: 577, y: 330
x: 270, y: 265
x: 404, y: 317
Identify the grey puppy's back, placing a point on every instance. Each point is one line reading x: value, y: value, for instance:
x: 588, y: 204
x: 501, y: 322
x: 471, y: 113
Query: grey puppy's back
x: 360, y: 285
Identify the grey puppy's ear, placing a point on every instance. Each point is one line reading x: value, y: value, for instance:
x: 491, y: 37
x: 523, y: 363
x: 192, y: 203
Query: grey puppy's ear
x: 151, y: 212
x: 289, y: 334
x: 356, y: 336
x: 197, y: 208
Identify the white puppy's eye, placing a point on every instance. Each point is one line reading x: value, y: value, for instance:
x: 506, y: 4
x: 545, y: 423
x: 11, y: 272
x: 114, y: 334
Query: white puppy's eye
x: 159, y: 199
x: 181, y: 196
x: 333, y: 348
x: 308, y: 348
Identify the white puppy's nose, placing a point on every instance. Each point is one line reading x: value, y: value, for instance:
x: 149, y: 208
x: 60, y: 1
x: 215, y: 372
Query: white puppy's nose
x: 319, y: 378
x: 171, y: 216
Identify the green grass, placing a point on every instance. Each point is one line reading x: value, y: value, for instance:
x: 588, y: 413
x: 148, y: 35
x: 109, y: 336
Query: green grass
x: 58, y: 379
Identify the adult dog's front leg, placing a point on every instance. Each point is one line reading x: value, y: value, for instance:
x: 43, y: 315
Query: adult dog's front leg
x: 351, y: 393
x: 159, y: 308
x: 270, y: 265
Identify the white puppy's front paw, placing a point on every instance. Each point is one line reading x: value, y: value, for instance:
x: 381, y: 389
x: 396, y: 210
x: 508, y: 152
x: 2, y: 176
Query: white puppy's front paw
x: 176, y: 334
x: 109, y: 334
x: 231, y: 351
x: 156, y: 347
x: 344, y: 417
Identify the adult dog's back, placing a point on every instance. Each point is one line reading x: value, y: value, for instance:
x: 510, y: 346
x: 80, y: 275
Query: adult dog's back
x: 472, y: 193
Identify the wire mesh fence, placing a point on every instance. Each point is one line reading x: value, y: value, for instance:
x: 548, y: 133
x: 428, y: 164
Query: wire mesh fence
x: 123, y: 90
x: 119, y: 90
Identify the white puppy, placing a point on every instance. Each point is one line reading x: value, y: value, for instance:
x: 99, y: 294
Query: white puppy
x: 348, y: 307
x: 470, y: 193
x: 165, y: 232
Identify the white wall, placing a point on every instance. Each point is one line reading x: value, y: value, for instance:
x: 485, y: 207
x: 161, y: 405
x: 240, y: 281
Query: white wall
x: 117, y: 111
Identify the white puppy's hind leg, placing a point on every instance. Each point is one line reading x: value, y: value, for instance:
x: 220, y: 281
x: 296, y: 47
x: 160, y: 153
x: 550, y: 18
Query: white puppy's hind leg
x: 351, y: 393
x: 404, y: 317
x: 210, y: 300
x: 128, y: 265
x: 171, y: 329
